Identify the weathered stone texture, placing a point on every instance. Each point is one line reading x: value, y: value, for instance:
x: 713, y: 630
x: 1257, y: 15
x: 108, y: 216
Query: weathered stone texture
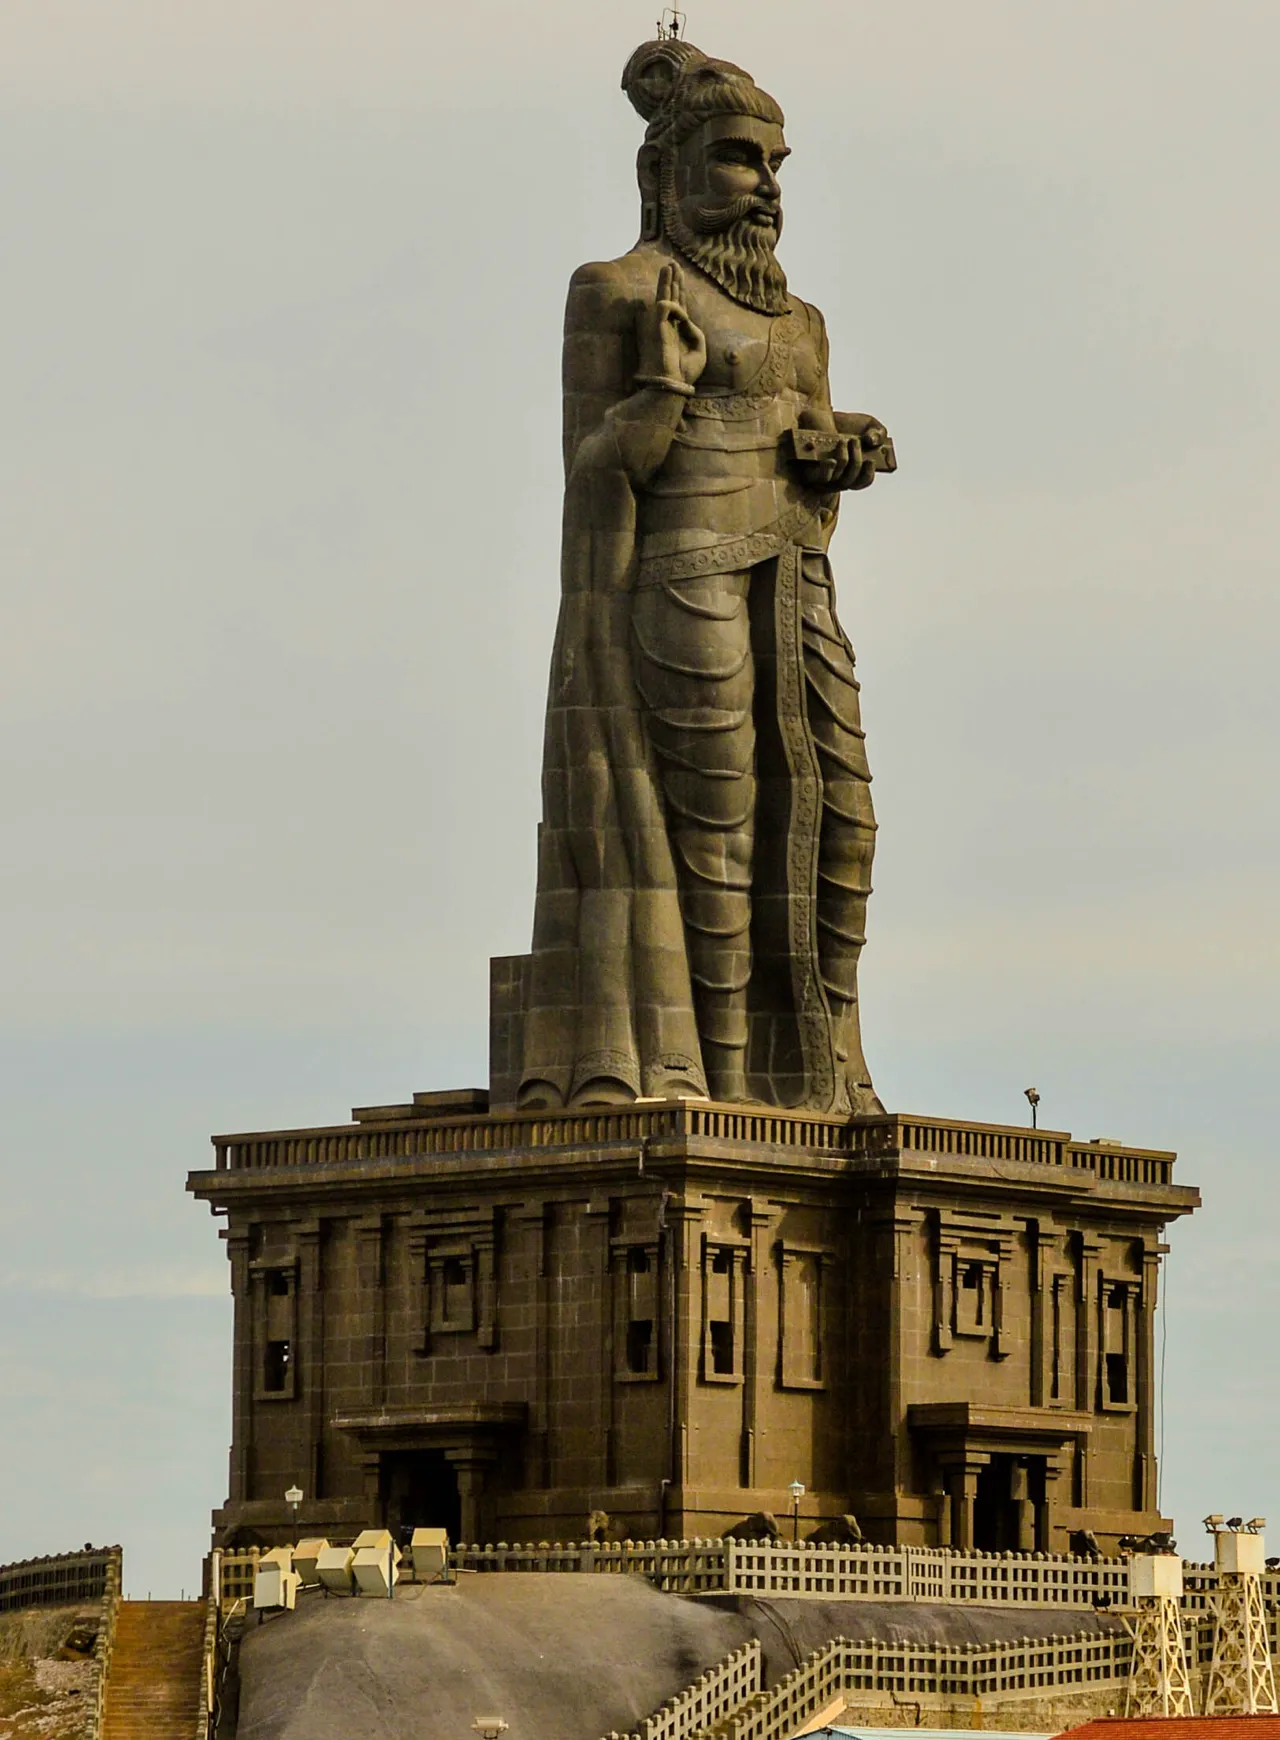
x: 673, y: 1323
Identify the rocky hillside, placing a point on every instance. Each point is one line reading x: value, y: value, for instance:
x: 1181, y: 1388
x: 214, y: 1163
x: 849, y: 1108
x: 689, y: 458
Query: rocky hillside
x: 46, y: 1673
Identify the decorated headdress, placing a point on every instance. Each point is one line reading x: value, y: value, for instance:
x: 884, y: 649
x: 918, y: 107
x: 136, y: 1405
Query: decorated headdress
x: 675, y: 88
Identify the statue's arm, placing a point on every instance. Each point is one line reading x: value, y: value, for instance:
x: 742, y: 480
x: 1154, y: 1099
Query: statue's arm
x: 870, y: 448
x: 611, y: 421
x: 816, y: 413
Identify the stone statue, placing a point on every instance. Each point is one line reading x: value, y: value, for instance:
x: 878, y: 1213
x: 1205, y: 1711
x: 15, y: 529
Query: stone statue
x: 707, y: 836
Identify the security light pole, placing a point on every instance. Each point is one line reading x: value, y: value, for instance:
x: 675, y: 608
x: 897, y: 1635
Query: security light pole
x: 796, y: 1489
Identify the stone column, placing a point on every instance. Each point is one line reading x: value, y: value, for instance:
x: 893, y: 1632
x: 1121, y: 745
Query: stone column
x: 1088, y: 1328
x: 1047, y: 1515
x: 371, y: 1480
x: 941, y: 1499
x: 311, y: 1337
x: 1024, y: 1510
x: 242, y: 1369
x: 1043, y: 1238
x: 1145, y: 1379
x: 683, y: 1234
x: 598, y: 1221
x: 756, y: 1365
x: 961, y: 1473
x: 903, y: 1231
x: 531, y: 1219
x: 471, y: 1484
x: 373, y: 1309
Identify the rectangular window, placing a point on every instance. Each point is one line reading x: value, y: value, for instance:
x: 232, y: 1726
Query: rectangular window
x: 800, y: 1363
x: 640, y: 1345
x: 635, y: 1311
x: 454, y: 1304
x: 975, y: 1288
x: 722, y: 1312
x: 452, y: 1283
x: 1118, y: 1301
x: 720, y: 1337
x: 275, y: 1328
x: 1117, y: 1378
x: 275, y: 1369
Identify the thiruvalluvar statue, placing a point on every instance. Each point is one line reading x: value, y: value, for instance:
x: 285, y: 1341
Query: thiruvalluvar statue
x: 705, y: 851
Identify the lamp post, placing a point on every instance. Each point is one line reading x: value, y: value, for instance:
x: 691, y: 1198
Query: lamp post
x: 293, y: 1498
x: 1033, y: 1100
x: 796, y: 1489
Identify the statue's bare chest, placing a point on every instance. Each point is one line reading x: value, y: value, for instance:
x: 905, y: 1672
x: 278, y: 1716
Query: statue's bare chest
x: 740, y: 343
x: 735, y: 357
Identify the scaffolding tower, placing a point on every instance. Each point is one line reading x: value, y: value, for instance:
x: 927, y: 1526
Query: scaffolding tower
x: 1158, y: 1681
x: 1241, y: 1679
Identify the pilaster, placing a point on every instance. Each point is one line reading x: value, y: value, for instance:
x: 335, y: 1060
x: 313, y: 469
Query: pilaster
x: 311, y: 1335
x: 370, y: 1235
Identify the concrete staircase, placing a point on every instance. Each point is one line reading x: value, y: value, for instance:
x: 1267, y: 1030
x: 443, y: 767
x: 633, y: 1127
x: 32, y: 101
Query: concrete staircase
x: 154, y: 1680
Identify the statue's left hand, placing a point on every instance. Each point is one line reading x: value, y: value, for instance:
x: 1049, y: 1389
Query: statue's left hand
x: 871, y: 450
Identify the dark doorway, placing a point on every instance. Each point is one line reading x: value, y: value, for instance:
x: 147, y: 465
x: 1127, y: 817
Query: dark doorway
x: 991, y: 1505
x: 420, y: 1490
x: 1009, y: 1505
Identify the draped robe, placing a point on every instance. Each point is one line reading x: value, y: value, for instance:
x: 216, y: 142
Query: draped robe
x: 611, y: 1009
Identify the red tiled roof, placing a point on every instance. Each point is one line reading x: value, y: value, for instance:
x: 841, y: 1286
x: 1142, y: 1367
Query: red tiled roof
x: 1179, y: 1728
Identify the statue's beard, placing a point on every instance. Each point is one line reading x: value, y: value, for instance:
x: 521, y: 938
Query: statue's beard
x: 730, y: 247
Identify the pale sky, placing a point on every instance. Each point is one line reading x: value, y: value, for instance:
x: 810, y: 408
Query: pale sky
x: 279, y: 431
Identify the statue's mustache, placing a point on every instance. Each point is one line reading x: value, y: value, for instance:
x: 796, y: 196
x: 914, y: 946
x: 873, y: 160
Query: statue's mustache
x: 710, y: 220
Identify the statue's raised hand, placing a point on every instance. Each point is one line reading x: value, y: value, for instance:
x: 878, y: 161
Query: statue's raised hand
x: 673, y: 351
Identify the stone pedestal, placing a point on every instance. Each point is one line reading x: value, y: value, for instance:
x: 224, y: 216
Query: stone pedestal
x: 669, y: 1312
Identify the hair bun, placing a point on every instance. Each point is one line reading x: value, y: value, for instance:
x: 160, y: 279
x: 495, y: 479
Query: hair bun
x: 650, y: 75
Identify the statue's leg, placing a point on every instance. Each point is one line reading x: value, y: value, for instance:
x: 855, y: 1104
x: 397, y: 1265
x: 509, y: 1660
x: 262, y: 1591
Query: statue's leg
x: 847, y: 842
x: 691, y: 652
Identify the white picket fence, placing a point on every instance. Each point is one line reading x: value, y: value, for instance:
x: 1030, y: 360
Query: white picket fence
x: 861, y: 1573
x: 924, y: 1574
x: 708, y: 1702
x: 680, y: 1567
x: 999, y: 1673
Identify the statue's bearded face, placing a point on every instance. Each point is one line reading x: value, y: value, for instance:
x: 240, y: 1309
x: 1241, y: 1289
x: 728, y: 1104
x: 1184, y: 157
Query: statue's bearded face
x: 722, y: 207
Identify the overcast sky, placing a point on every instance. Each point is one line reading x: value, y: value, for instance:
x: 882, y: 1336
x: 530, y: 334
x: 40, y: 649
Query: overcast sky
x: 282, y: 287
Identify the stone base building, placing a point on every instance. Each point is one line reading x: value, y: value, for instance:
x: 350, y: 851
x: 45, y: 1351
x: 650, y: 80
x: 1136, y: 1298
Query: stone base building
x: 501, y: 1322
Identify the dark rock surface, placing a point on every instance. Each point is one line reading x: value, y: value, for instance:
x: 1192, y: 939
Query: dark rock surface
x: 558, y: 1657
